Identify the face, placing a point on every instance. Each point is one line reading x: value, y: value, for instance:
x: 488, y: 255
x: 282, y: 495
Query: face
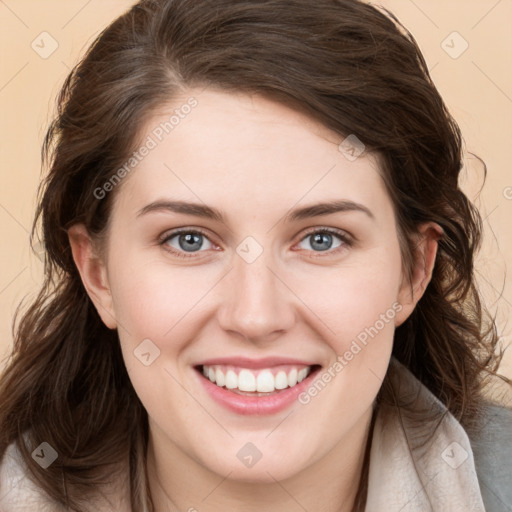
x: 255, y: 288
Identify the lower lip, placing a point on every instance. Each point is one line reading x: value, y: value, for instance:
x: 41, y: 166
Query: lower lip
x: 254, y: 405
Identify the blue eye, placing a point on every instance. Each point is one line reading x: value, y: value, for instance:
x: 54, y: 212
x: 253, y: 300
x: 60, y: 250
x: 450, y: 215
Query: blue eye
x: 187, y: 241
x: 184, y: 243
x: 321, y: 240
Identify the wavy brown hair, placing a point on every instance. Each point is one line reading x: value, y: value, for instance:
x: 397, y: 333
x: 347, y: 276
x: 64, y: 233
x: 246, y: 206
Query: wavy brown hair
x: 345, y: 63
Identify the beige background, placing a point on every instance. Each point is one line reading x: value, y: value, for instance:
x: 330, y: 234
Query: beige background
x: 476, y: 85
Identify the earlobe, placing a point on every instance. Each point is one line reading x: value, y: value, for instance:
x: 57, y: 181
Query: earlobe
x: 413, y: 287
x: 93, y: 273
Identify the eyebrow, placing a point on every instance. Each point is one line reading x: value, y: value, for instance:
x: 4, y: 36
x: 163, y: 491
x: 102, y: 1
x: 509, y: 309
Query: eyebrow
x: 208, y: 212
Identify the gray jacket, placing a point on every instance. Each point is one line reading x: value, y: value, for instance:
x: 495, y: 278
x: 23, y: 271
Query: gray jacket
x: 492, y: 451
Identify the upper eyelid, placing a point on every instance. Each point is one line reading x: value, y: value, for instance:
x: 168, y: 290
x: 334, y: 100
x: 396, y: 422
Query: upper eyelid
x: 334, y: 231
x: 178, y: 231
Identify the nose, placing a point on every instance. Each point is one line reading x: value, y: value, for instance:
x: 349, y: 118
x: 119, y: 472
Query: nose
x: 256, y: 303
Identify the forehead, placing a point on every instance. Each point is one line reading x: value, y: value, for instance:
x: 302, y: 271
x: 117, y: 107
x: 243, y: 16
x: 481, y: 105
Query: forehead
x: 214, y: 146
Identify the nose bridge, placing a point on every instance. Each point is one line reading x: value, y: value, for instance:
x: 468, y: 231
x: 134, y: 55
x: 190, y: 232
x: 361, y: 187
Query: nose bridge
x: 255, y: 302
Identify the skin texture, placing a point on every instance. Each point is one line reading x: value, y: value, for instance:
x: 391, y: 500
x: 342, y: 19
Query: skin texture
x: 255, y: 160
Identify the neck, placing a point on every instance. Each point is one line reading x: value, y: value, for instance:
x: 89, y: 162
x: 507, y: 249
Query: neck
x: 179, y: 482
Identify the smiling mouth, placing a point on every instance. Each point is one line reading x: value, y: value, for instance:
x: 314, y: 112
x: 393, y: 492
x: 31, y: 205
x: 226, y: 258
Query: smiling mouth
x: 255, y: 383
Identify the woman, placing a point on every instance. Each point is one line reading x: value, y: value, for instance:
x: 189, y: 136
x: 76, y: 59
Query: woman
x: 259, y: 290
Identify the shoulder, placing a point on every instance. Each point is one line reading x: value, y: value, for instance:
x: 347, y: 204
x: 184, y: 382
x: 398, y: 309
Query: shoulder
x: 17, y: 491
x: 492, y: 452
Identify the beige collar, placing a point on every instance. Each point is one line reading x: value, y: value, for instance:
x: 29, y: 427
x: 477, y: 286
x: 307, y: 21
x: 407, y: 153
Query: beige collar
x: 419, y: 465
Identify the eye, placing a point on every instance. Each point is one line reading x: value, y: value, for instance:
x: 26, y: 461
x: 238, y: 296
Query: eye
x: 183, y: 241
x: 321, y: 240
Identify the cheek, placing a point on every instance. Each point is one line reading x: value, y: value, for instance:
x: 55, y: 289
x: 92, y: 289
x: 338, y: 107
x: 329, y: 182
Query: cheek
x: 356, y: 301
x: 151, y: 297
x: 156, y: 302
x: 360, y: 311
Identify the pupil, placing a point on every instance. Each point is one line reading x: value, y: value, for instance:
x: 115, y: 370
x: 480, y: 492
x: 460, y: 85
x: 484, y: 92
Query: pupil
x: 190, y: 239
x: 321, y: 238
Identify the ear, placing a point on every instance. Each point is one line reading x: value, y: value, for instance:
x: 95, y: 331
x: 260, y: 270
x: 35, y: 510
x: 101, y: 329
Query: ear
x: 413, y: 287
x: 93, y: 272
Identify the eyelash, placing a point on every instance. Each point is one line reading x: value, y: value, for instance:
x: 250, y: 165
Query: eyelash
x: 344, y: 237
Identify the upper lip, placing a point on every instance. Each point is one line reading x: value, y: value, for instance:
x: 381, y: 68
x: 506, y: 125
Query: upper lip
x: 246, y: 362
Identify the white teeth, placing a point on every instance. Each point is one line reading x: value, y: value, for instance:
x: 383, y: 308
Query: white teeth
x: 302, y: 375
x: 246, y: 381
x: 231, y: 380
x: 219, y: 377
x: 263, y: 381
x: 281, y: 380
